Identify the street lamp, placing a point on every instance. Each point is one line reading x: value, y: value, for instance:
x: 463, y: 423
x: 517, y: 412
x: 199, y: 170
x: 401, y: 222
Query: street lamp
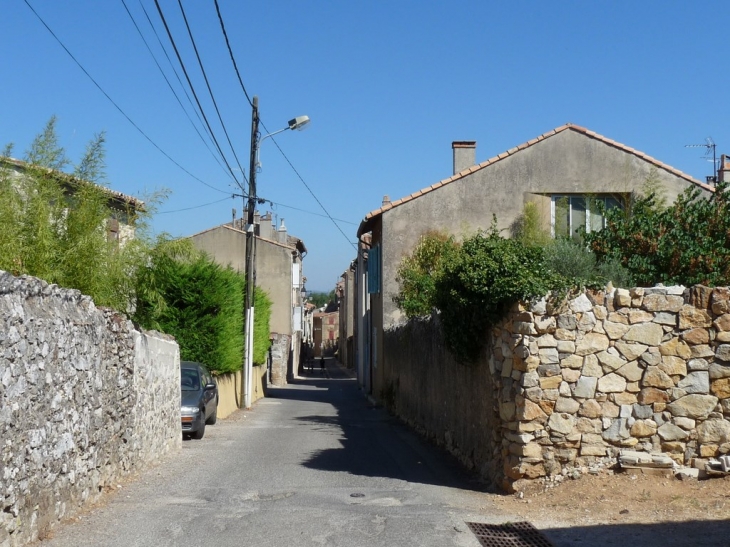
x: 297, y: 123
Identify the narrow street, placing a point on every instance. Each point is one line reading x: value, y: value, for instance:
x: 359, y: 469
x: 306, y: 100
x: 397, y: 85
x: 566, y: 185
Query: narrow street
x: 312, y: 464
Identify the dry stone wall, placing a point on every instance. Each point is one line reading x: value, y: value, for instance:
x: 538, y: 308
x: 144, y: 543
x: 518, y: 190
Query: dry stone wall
x: 84, y: 400
x: 646, y: 369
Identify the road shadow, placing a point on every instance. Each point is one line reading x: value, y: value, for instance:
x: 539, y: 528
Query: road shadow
x: 373, y: 443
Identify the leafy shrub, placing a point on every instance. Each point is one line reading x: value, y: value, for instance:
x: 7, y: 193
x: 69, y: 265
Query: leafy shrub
x: 570, y: 258
x: 417, y: 273
x: 686, y: 243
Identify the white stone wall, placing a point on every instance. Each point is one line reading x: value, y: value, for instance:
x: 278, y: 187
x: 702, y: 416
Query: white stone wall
x: 647, y: 369
x: 84, y: 399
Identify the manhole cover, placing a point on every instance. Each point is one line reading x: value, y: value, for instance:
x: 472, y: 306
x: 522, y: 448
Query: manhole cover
x: 357, y: 495
x: 511, y: 534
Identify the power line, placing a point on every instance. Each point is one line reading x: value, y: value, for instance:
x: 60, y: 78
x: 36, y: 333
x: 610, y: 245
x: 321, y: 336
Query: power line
x: 207, y: 83
x: 195, y: 207
x: 240, y: 80
x: 170, y: 86
x: 311, y: 192
x: 307, y: 212
x: 114, y: 103
x: 230, y: 52
x: 192, y: 89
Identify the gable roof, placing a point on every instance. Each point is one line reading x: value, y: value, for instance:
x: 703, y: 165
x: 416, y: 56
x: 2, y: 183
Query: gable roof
x: 70, y: 180
x: 365, y: 225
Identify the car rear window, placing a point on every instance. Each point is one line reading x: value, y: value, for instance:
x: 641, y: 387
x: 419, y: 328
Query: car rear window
x: 189, y: 380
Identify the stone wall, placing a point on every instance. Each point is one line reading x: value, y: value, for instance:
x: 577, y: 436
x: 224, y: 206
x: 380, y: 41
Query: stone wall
x: 84, y: 400
x: 280, y: 359
x: 646, y: 369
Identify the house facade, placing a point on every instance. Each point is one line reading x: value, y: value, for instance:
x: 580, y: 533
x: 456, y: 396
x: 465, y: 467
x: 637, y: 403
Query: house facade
x: 278, y: 271
x: 564, y: 172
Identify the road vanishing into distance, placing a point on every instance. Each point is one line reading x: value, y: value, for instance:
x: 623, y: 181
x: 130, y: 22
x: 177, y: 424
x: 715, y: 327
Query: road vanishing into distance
x: 315, y: 464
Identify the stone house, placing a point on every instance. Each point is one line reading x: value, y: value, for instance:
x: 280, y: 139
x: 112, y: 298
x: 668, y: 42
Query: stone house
x: 563, y: 173
x: 278, y: 271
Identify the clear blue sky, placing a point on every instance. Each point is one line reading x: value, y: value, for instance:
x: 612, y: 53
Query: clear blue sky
x: 388, y: 86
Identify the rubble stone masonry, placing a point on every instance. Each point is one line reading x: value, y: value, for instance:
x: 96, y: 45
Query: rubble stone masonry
x: 84, y: 399
x: 646, y: 369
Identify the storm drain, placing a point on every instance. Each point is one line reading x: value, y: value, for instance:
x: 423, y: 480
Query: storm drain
x: 511, y: 534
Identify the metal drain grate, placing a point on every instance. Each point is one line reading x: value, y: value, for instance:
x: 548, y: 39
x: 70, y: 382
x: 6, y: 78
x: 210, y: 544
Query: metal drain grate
x: 511, y: 534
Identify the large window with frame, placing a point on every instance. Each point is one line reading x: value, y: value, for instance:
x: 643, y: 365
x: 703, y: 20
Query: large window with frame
x: 569, y: 212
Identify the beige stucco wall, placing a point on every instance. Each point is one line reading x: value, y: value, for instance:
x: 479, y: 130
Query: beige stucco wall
x: 274, y: 275
x: 568, y: 162
x: 229, y: 390
x: 224, y: 244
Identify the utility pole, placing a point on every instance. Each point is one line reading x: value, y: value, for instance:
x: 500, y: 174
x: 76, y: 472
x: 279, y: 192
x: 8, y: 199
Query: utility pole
x: 250, y: 259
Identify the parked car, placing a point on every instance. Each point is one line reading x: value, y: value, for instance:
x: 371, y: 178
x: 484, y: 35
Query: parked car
x: 198, y: 399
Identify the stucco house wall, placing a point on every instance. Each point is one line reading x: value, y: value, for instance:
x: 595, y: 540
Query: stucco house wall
x: 568, y: 162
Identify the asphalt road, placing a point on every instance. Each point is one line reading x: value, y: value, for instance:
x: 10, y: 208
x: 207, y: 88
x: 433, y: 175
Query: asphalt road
x: 312, y: 464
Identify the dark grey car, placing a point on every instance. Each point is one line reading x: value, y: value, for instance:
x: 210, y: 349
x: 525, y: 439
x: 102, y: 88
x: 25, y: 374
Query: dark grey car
x: 198, y: 399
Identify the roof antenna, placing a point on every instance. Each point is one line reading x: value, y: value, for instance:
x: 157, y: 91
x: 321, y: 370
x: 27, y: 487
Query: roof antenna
x: 710, y: 146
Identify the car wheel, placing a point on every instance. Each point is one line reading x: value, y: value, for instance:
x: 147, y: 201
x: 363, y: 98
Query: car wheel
x: 213, y: 417
x: 199, y: 433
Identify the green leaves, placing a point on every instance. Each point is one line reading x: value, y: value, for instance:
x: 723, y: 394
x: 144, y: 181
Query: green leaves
x: 685, y: 243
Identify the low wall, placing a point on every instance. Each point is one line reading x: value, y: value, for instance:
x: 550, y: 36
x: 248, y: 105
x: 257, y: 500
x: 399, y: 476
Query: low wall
x: 229, y: 390
x: 646, y: 369
x: 84, y: 400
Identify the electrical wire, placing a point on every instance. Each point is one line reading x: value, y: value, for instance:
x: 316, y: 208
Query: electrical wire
x: 305, y: 211
x: 195, y: 95
x: 149, y: 49
x: 230, y: 52
x: 207, y: 83
x: 243, y: 87
x: 195, y: 207
x: 153, y: 143
x: 313, y: 194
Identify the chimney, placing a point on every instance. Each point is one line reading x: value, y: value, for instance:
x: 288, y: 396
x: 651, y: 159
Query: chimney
x: 465, y: 153
x: 724, y: 171
x: 281, y: 236
x: 386, y: 201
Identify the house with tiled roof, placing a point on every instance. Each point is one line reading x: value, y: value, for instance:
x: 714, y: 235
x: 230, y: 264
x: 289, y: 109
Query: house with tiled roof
x: 124, y: 208
x: 564, y: 172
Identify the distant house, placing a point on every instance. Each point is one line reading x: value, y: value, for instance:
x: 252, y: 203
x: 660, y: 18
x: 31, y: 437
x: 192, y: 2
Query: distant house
x: 564, y: 172
x: 124, y: 208
x: 278, y: 271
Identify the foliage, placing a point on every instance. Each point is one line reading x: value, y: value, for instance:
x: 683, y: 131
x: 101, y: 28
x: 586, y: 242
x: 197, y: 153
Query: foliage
x: 685, y: 243
x: 528, y: 229
x: 262, y: 319
x: 53, y: 225
x: 474, y: 290
x: 184, y: 293
x: 418, y: 273
x: 570, y: 258
x: 321, y: 299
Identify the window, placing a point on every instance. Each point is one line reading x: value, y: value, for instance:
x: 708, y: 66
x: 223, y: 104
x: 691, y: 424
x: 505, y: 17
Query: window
x: 571, y: 212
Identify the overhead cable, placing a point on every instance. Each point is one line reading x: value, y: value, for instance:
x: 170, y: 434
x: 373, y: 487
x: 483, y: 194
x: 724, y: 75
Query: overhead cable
x: 195, y: 95
x: 230, y: 52
x: 115, y: 104
x: 195, y: 127
x: 207, y: 83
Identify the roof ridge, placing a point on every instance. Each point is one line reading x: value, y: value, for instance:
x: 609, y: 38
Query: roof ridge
x: 523, y: 146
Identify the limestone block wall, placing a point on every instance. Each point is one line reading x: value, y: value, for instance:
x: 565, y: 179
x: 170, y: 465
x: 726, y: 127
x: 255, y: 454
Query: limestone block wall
x: 643, y: 368
x: 84, y: 400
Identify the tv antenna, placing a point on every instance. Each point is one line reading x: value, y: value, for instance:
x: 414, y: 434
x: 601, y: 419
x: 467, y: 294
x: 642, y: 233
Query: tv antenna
x: 710, y: 146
